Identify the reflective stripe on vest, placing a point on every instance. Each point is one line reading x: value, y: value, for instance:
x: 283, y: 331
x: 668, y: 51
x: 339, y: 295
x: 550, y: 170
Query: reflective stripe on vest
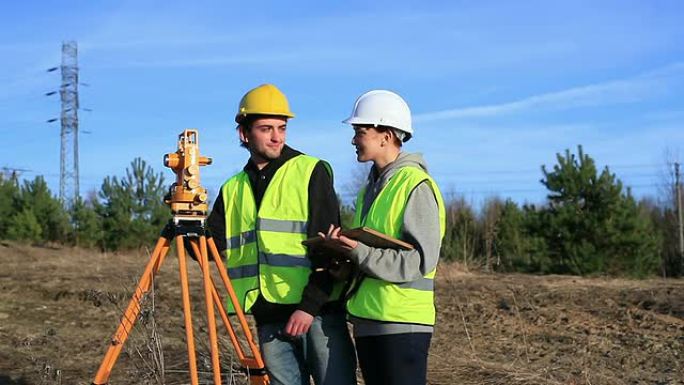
x: 375, y: 299
x: 264, y: 251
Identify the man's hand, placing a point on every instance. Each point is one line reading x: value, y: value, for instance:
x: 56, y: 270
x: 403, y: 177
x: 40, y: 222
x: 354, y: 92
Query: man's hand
x: 299, y: 323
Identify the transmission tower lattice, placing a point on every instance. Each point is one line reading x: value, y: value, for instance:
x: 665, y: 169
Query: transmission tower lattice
x: 68, y: 91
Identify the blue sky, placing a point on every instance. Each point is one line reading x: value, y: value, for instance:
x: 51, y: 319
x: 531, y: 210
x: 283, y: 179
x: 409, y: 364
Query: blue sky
x: 497, y: 88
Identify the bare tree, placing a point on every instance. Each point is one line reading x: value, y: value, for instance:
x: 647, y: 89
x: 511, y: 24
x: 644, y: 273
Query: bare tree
x: 669, y: 202
x: 491, y: 215
x: 359, y: 177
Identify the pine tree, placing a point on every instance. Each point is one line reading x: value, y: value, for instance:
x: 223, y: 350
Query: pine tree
x: 462, y: 235
x: 25, y: 227
x: 590, y: 225
x: 9, y: 192
x: 516, y: 240
x: 48, y: 211
x: 490, y: 226
x: 86, y: 225
x: 132, y: 208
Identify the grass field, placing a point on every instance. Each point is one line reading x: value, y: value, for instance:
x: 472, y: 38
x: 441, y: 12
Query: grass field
x: 59, y: 307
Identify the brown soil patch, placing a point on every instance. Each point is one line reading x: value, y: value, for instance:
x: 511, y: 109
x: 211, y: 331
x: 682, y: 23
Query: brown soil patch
x: 59, y: 307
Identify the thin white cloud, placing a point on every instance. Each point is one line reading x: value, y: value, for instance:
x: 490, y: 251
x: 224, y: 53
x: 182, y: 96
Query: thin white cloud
x: 627, y: 90
x: 110, y: 43
x: 291, y: 57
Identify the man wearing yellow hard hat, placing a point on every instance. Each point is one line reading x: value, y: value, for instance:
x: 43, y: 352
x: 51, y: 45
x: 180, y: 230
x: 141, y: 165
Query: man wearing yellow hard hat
x: 259, y: 220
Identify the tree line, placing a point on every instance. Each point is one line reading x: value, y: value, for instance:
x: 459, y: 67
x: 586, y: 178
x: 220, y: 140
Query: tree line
x: 126, y: 213
x: 589, y: 224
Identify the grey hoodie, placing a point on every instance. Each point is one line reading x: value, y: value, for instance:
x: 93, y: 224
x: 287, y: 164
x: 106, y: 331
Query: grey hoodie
x: 420, y: 228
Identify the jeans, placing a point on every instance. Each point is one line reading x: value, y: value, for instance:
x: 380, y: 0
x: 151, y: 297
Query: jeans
x: 325, y: 353
x: 394, y: 359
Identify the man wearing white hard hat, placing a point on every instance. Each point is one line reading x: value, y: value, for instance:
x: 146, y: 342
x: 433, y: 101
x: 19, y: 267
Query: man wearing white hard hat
x: 392, y: 307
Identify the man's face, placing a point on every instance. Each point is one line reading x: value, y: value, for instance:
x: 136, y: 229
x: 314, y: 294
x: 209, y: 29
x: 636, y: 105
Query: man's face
x: 367, y: 141
x: 266, y: 138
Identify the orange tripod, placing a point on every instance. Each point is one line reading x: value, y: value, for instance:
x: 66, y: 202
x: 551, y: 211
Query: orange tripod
x: 203, y: 246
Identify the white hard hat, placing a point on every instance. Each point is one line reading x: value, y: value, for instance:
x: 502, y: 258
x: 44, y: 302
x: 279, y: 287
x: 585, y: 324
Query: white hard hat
x: 382, y: 108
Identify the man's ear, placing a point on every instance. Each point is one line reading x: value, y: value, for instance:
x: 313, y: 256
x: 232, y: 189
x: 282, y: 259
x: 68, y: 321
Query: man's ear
x: 389, y: 136
x: 243, y: 134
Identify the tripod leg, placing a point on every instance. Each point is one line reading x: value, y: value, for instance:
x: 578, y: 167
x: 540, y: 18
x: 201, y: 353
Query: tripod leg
x: 218, y: 301
x: 257, y: 363
x: 132, y: 311
x: 254, y: 365
x: 209, y: 289
x: 187, y: 311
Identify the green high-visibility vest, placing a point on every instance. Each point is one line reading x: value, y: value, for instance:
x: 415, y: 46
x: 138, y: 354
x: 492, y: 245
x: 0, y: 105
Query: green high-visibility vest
x: 376, y: 299
x: 264, y: 249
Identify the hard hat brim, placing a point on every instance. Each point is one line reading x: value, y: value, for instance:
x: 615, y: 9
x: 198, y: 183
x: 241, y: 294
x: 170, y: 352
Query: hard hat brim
x: 243, y: 115
x: 395, y: 125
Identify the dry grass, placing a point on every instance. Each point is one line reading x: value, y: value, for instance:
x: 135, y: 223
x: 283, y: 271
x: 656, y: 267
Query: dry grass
x: 519, y: 329
x: 59, y: 307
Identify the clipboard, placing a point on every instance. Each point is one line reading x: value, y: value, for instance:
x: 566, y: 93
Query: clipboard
x: 367, y: 236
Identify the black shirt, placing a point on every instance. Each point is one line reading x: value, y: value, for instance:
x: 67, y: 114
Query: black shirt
x: 323, y: 211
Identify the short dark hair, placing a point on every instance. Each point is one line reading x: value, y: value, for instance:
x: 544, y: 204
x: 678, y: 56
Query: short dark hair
x: 246, y: 124
x: 383, y: 129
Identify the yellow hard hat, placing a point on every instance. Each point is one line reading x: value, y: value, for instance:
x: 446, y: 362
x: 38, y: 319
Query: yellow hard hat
x: 266, y: 99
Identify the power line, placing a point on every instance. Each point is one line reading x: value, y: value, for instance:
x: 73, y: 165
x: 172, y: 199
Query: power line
x: 512, y: 181
x: 538, y: 170
x: 12, y: 173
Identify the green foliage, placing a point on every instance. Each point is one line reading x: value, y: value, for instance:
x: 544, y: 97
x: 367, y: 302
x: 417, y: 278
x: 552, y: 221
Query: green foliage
x: 462, y: 234
x: 129, y: 213
x: 536, y: 258
x: 25, y: 227
x: 30, y: 212
x: 664, y: 216
x: 501, y: 237
x: 590, y: 225
x: 86, y: 225
x: 635, y: 241
x: 510, y: 236
x: 9, y: 192
x: 490, y: 218
x: 132, y: 208
x: 516, y: 242
x: 53, y: 220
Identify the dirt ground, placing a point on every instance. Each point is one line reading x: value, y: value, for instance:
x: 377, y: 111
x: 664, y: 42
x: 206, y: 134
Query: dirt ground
x: 60, y: 306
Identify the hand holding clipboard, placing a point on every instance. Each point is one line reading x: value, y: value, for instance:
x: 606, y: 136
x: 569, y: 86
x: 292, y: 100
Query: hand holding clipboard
x: 365, y: 235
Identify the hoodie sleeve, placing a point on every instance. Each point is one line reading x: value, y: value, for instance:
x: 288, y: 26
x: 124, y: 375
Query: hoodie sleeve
x: 421, y: 229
